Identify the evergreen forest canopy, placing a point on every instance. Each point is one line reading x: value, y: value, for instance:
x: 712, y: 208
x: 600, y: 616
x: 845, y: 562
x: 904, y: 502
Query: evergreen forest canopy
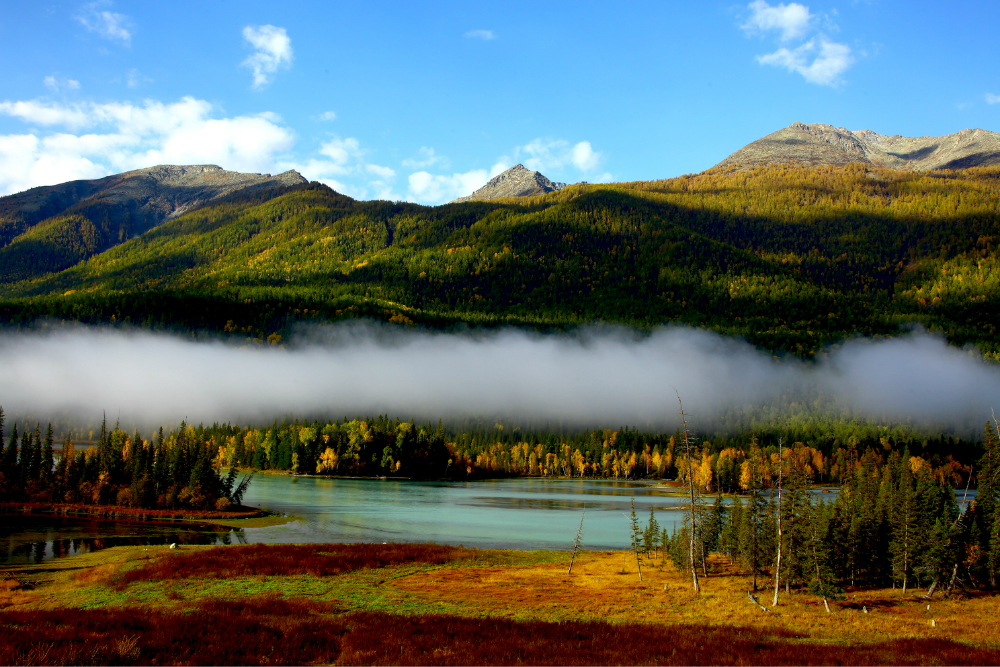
x: 791, y: 258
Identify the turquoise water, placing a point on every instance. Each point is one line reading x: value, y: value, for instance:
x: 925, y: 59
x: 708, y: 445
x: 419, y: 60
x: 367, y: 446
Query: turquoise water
x: 523, y: 513
x: 520, y: 513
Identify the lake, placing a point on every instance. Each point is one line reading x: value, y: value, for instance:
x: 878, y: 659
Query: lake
x: 33, y: 539
x: 517, y: 513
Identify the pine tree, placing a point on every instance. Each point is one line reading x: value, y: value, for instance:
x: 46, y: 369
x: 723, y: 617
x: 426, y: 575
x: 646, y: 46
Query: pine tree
x: 651, y: 536
x: 903, y: 519
x: 752, y: 544
x: 24, y: 460
x: 729, y: 538
x: 2, y: 448
x: 796, y: 513
x: 48, y: 457
x: 636, y: 538
x: 35, y: 465
x: 987, y: 511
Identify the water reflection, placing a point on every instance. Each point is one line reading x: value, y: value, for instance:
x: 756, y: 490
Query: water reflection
x: 511, y: 513
x: 34, y: 539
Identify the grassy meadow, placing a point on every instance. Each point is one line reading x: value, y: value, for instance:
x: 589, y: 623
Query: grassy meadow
x: 430, y: 604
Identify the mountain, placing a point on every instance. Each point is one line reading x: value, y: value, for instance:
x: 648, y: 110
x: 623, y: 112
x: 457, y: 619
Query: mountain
x: 820, y: 145
x: 518, y: 181
x: 53, y: 227
x: 790, y: 258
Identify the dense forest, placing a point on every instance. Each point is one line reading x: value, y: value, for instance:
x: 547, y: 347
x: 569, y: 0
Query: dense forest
x: 791, y: 258
x: 895, y: 518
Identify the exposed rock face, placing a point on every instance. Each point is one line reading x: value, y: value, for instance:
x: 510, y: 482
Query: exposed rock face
x: 518, y: 181
x: 151, y: 195
x: 820, y: 144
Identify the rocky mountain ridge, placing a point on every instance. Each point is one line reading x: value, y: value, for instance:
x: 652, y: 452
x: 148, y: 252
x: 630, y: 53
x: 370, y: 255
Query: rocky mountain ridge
x: 50, y: 228
x: 518, y: 181
x: 819, y: 144
x: 154, y: 193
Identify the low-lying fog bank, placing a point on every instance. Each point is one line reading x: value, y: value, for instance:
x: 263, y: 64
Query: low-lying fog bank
x: 600, y: 376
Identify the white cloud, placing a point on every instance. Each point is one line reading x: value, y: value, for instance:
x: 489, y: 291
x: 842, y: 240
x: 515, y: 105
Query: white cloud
x: 135, y: 78
x: 427, y: 159
x: 326, y: 115
x: 107, y: 24
x: 428, y: 188
x: 992, y: 99
x: 549, y: 156
x: 829, y: 60
x: 791, y: 20
x: 44, y: 113
x: 273, y: 50
x: 123, y: 136
x: 552, y: 155
x: 342, y: 166
x: 342, y: 151
x: 584, y: 157
x: 485, y: 35
x: 55, y: 83
x: 385, y: 173
x: 819, y: 60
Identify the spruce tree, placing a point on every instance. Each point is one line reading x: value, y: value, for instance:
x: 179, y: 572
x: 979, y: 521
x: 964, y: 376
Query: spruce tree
x: 35, y: 467
x: 903, y: 519
x: 48, y: 457
x: 752, y: 540
x: 987, y: 510
x: 3, y: 449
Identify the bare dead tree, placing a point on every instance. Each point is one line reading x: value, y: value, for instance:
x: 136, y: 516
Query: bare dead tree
x: 577, y: 541
x: 777, y: 565
x: 687, y: 449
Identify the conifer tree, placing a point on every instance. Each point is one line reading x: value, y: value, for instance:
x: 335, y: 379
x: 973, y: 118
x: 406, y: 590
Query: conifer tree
x: 903, y: 519
x: 987, y: 511
x: 24, y: 460
x: 651, y: 536
x: 636, y: 531
x: 35, y: 466
x: 48, y: 457
x: 729, y: 538
x: 752, y: 542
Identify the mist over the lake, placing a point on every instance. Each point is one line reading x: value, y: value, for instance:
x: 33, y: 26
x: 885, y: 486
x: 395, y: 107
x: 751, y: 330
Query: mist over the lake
x: 596, y: 376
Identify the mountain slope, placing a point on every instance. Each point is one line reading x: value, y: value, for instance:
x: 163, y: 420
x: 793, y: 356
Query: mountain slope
x: 790, y: 258
x: 518, y: 181
x: 53, y: 227
x: 818, y: 144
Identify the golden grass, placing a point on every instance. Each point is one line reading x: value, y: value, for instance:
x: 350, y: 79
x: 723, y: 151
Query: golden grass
x: 604, y: 586
x: 598, y: 590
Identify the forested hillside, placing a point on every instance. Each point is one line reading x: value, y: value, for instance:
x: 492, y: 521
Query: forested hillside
x: 792, y: 258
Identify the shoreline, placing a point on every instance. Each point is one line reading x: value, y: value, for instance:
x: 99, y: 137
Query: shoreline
x: 121, y: 513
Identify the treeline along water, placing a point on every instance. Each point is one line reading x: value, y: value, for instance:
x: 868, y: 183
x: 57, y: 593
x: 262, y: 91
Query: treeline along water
x: 895, y: 518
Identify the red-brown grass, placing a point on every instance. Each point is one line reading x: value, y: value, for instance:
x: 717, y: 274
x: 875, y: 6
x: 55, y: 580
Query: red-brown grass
x: 120, y: 512
x: 273, y: 560
x: 276, y: 631
x: 252, y: 632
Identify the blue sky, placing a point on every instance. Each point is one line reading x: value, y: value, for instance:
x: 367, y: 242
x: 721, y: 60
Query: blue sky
x: 426, y: 101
